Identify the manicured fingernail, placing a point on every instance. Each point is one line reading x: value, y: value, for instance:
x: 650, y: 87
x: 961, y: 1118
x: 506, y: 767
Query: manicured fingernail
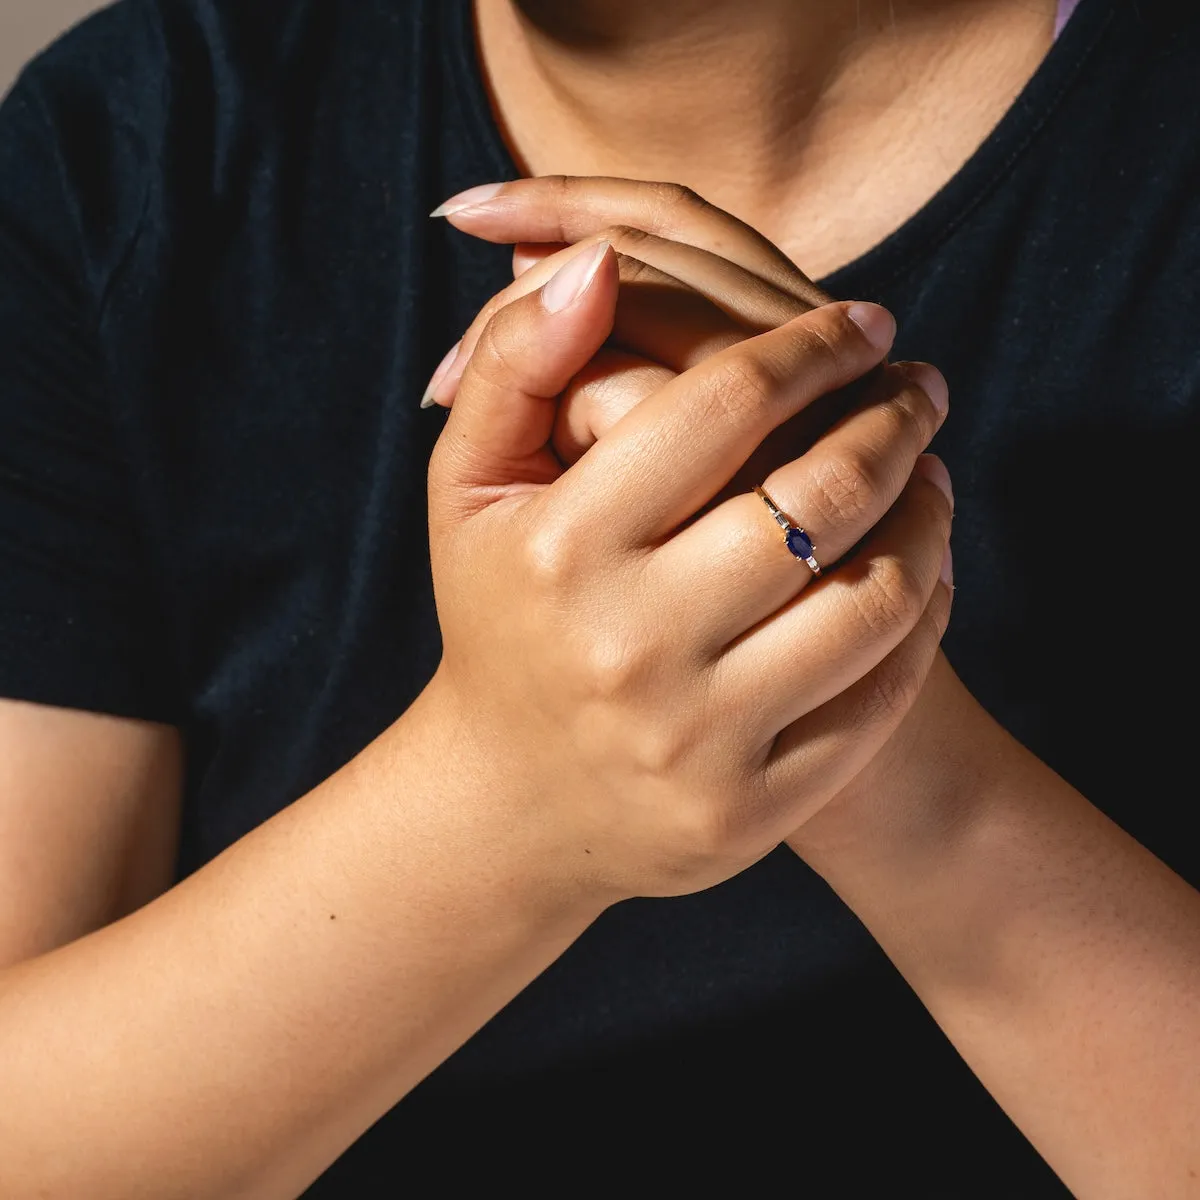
x: 935, y: 471
x: 932, y: 382
x: 947, y: 572
x: 572, y: 279
x: 471, y: 198
x: 429, y: 399
x: 876, y: 322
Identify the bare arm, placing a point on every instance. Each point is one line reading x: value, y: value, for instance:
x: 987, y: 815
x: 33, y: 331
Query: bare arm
x: 366, y: 927
x: 89, y: 813
x: 234, y: 1035
x: 1059, y: 955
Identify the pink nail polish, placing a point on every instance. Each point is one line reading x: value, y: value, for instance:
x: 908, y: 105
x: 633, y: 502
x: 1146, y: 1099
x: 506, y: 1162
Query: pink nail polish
x: 935, y: 471
x: 429, y: 399
x: 572, y: 279
x: 472, y: 198
x: 878, y: 325
x: 932, y: 382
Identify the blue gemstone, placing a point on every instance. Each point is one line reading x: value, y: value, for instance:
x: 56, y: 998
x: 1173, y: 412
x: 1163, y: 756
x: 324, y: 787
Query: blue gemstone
x: 799, y: 543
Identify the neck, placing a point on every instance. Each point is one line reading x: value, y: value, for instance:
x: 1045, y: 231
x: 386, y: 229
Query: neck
x: 750, y: 102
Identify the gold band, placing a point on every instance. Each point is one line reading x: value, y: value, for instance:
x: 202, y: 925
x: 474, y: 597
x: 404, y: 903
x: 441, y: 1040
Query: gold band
x: 799, y: 544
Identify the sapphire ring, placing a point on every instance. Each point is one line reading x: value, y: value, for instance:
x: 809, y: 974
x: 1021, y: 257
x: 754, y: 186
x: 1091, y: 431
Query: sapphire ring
x: 797, y: 541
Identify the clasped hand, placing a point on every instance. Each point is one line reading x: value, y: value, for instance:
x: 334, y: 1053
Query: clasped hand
x: 643, y: 674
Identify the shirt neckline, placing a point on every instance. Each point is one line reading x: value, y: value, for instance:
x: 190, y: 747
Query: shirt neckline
x: 920, y: 234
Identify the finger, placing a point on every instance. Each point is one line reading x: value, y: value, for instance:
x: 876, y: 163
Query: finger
x: 529, y: 254
x: 444, y: 384
x: 658, y: 316
x: 746, y: 297
x: 741, y: 293
x: 564, y: 208
x: 751, y: 302
x: 832, y: 635
x: 612, y: 384
x: 836, y: 492
x: 834, y: 743
x: 664, y: 319
x: 497, y: 434
x: 677, y: 449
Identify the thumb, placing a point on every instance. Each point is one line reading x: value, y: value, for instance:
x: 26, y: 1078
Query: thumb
x: 499, y: 430
x: 529, y: 254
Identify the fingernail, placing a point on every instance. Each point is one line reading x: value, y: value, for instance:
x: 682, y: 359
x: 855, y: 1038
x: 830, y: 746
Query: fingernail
x: 935, y: 471
x: 471, y: 198
x: 876, y: 322
x: 572, y: 279
x: 428, y: 400
x: 947, y: 572
x: 932, y: 382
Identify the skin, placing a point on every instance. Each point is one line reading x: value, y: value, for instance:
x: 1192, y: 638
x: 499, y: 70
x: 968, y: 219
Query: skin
x: 355, y: 940
x: 394, y: 852
x: 785, y: 113
x: 1060, y: 957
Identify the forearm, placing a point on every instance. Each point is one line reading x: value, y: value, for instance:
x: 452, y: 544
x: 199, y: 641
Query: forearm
x: 1060, y: 957
x: 236, y: 1035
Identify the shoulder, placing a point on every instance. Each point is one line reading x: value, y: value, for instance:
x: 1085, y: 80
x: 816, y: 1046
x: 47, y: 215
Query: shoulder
x: 1156, y: 43
x: 1144, y: 145
x: 87, y: 127
x: 1125, y: 142
x: 164, y: 103
x: 156, y: 106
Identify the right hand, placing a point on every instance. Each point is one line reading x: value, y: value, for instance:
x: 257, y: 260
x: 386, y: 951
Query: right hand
x: 656, y: 699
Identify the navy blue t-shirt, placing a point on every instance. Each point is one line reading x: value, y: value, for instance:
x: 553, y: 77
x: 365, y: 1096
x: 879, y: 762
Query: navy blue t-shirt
x: 220, y: 299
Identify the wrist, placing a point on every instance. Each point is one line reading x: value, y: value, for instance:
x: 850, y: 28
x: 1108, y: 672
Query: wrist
x: 926, y: 846
x: 940, y: 774
x: 482, y: 807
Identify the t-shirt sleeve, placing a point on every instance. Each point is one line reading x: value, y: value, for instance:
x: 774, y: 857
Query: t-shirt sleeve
x: 81, y: 622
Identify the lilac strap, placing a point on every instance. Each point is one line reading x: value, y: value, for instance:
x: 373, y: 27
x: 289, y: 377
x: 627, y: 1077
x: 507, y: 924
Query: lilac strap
x: 1065, y: 9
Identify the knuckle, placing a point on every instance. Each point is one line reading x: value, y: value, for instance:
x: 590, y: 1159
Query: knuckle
x: 562, y: 188
x: 846, y: 486
x: 890, y: 598
x: 818, y: 359
x: 892, y: 689
x: 495, y: 352
x: 564, y: 194
x: 550, y: 558
x: 827, y: 344
x: 669, y: 201
x: 635, y: 270
x: 481, y: 332
x: 625, y: 238
x: 613, y: 663
x: 742, y: 384
x: 661, y: 747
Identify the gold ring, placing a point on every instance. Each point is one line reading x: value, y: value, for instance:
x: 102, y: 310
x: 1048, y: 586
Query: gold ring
x: 796, y: 540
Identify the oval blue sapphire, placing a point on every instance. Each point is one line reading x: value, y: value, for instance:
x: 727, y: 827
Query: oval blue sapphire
x: 799, y: 543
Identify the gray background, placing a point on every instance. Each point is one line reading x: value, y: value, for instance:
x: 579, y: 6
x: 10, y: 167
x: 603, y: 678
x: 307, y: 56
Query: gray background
x: 28, y: 25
